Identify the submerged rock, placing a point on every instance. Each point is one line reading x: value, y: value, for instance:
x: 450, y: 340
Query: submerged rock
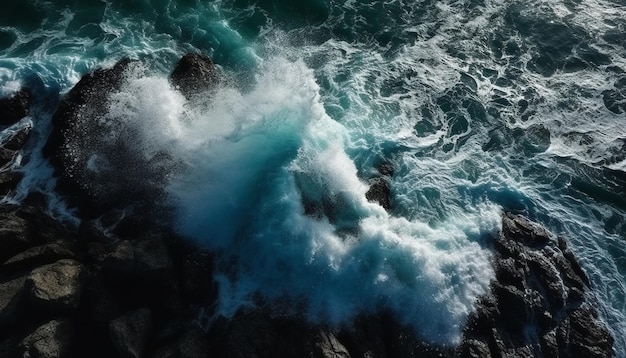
x: 14, y: 107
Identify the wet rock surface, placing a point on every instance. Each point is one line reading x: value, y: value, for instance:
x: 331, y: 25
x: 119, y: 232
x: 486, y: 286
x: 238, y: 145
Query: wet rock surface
x: 119, y: 286
x: 51, y: 340
x: 195, y: 74
x: 15, y: 107
x: 539, y: 288
x: 79, y: 130
x: 380, y: 189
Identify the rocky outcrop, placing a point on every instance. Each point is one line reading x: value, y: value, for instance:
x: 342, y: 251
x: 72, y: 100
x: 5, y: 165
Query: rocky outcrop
x: 122, y: 287
x: 41, y: 255
x: 9, y: 148
x: 258, y: 334
x: 51, y: 340
x: 537, y: 305
x: 14, y: 107
x: 56, y: 287
x: 80, y: 134
x: 115, y: 295
x: 9, y: 181
x: 100, y: 160
x: 195, y: 74
x: 11, y: 145
x: 380, y: 188
x: 10, y: 296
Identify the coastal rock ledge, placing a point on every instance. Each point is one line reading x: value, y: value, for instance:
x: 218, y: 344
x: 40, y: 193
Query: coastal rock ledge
x: 538, y: 303
x: 103, y: 290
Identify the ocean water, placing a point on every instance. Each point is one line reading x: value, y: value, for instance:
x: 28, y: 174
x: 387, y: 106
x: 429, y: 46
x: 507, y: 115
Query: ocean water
x: 479, y: 106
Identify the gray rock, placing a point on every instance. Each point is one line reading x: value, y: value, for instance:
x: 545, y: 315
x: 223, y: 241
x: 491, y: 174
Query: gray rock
x: 130, y: 333
x: 15, y: 233
x: 475, y: 349
x: 324, y: 344
x: 10, y: 295
x: 51, y: 340
x: 587, y: 336
x: 41, y: 255
x: 56, y: 287
x: 549, y: 344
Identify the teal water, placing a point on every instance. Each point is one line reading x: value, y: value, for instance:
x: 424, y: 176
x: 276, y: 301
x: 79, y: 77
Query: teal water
x: 480, y: 106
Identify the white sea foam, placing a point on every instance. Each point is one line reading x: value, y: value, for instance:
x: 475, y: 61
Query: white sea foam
x: 251, y: 160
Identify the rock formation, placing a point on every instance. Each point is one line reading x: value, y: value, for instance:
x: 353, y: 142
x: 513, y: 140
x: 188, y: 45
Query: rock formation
x: 15, y: 107
x: 120, y: 287
x: 538, y: 304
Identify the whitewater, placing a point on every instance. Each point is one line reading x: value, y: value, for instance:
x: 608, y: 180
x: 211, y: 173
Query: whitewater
x: 480, y: 107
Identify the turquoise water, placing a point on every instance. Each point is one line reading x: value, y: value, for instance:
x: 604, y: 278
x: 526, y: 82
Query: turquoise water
x: 480, y: 106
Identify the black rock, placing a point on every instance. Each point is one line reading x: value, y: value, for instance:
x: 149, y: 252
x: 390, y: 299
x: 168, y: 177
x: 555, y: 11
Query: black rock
x: 130, y: 333
x: 10, y: 296
x: 146, y: 259
x: 9, y: 181
x: 18, y: 139
x: 539, y: 288
x: 191, y: 343
x: 25, y: 227
x: 195, y: 74
x: 14, y: 107
x: 587, y: 337
x: 10, y: 147
x: 380, y: 192
x: 520, y: 229
x: 95, y: 161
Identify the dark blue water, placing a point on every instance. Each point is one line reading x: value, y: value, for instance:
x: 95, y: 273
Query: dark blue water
x: 480, y: 107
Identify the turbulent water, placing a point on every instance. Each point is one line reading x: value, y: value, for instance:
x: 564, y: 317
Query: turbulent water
x: 479, y: 106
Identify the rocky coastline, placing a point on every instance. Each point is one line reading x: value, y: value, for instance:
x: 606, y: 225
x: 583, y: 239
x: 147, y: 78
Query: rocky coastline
x: 123, y: 284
